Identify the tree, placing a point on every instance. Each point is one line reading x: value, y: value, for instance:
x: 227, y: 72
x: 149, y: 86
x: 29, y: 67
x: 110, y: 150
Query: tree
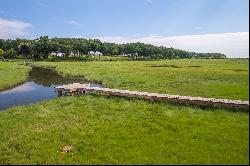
x: 2, y: 43
x: 171, y: 53
x: 10, y: 53
x: 41, y: 47
x: 1, y: 53
x: 83, y: 49
x: 24, y: 49
x: 54, y: 46
x: 65, y: 49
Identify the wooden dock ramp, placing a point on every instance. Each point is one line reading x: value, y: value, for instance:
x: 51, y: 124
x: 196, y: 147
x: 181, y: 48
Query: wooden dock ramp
x: 77, y: 88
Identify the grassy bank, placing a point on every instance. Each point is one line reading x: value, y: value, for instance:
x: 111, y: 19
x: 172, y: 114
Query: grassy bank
x: 227, y: 78
x: 12, y: 73
x: 106, y: 130
x: 113, y: 130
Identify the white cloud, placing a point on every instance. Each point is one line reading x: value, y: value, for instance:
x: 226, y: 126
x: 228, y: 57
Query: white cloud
x: 13, y: 28
x: 231, y: 44
x: 197, y: 28
x: 74, y: 23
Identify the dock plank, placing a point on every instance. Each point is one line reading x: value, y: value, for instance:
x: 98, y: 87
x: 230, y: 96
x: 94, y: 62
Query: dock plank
x: 82, y: 88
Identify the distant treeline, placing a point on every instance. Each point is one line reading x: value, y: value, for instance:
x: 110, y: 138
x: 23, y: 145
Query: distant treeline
x: 42, y: 47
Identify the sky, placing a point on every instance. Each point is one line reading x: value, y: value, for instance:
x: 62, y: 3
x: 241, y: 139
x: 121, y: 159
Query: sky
x: 193, y: 25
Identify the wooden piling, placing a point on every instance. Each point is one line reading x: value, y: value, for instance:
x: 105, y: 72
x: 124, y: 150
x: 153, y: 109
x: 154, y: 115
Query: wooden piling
x: 59, y: 93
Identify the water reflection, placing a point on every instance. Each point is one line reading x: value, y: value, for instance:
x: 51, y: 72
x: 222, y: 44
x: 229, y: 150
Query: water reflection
x: 40, y: 86
x: 20, y: 89
x: 48, y: 77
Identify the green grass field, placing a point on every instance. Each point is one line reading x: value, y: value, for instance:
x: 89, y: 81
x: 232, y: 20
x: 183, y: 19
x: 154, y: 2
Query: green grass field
x: 12, y: 73
x: 205, y: 78
x: 115, y: 130
x: 111, y: 130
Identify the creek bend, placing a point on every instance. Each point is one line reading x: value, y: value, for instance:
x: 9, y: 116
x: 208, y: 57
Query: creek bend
x: 39, y: 86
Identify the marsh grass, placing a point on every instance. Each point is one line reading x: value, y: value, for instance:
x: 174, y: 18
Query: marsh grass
x: 12, y: 74
x: 227, y: 78
x: 110, y: 130
x: 97, y: 129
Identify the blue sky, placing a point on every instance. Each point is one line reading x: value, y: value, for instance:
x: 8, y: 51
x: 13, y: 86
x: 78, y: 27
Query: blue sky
x: 127, y: 20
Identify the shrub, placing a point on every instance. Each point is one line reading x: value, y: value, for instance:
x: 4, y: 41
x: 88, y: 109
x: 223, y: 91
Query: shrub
x: 1, y: 53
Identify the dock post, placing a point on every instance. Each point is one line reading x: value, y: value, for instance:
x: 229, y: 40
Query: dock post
x: 59, y: 93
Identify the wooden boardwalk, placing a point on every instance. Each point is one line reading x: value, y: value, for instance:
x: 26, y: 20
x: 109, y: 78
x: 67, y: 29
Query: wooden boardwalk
x: 77, y: 88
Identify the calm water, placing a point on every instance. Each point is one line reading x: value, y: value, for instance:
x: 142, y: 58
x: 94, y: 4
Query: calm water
x: 39, y: 86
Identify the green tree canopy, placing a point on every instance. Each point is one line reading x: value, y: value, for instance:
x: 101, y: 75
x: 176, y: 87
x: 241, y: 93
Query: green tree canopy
x: 43, y: 46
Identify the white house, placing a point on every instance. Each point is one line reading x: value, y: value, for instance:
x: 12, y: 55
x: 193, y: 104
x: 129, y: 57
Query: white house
x: 94, y: 53
x: 57, y: 54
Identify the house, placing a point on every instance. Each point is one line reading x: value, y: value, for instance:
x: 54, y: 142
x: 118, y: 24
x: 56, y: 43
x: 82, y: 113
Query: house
x: 95, y: 53
x: 57, y: 54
